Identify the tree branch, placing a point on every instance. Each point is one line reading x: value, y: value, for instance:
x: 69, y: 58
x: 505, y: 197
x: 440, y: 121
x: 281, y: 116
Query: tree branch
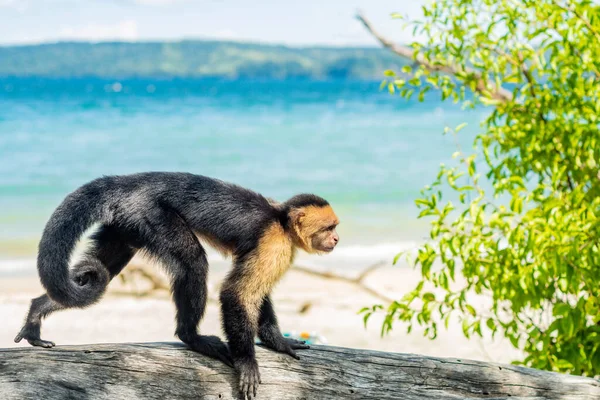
x: 568, y: 8
x: 498, y: 92
x: 358, y: 281
x: 165, y: 371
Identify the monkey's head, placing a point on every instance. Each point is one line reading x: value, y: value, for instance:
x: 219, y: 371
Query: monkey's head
x: 312, y: 223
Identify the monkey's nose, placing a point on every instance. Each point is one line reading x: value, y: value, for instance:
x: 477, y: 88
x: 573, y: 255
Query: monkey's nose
x: 335, y: 239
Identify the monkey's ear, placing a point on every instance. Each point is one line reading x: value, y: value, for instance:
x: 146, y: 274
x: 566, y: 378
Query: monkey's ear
x: 296, y: 215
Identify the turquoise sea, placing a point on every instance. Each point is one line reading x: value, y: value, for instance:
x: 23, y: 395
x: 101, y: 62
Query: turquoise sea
x: 368, y: 152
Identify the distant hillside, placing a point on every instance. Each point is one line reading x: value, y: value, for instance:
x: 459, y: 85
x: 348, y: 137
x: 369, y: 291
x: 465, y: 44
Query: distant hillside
x: 194, y: 59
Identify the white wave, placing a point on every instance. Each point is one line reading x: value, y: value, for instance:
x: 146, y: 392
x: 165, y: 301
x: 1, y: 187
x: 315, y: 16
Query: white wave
x: 17, y: 267
x: 356, y: 255
x: 374, y: 250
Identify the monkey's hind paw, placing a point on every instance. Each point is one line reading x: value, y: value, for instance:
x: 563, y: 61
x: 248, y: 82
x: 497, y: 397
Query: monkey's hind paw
x: 211, y: 346
x: 284, y: 345
x: 292, y: 345
x: 34, y: 340
x: 41, y: 343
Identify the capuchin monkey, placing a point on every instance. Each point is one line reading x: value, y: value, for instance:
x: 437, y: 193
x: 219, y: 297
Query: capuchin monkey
x: 164, y: 215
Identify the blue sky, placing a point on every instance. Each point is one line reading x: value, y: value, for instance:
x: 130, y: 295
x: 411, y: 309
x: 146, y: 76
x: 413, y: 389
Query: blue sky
x: 305, y: 22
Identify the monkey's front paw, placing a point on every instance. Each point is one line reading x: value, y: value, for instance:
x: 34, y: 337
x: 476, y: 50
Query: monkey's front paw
x: 249, y: 379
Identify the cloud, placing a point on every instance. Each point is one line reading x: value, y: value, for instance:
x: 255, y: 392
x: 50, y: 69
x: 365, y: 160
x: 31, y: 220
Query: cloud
x: 156, y: 2
x: 159, y: 3
x: 122, y: 30
x: 19, y: 5
x: 23, y: 5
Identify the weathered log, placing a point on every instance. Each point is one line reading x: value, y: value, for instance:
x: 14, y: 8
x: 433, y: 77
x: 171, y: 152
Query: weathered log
x: 171, y: 371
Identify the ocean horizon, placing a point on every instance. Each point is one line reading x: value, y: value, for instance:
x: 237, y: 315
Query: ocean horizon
x: 366, y: 151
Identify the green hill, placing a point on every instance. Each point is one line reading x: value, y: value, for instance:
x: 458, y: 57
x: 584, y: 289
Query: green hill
x: 194, y: 59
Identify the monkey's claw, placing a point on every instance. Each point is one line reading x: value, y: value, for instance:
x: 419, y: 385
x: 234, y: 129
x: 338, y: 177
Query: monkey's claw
x: 293, y: 344
x: 249, y: 380
x: 292, y: 353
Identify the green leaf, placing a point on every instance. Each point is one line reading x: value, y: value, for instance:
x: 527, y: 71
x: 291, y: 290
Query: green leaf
x: 427, y: 297
x: 460, y: 127
x: 470, y: 309
x: 563, y: 365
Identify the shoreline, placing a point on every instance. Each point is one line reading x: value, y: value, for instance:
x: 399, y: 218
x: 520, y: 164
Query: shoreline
x: 302, y: 303
x: 352, y: 257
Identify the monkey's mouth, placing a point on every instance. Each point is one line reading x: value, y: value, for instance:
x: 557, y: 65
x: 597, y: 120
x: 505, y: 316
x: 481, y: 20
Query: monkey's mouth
x: 328, y: 249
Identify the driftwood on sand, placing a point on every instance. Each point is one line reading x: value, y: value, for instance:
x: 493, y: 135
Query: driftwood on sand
x: 159, y: 282
x: 171, y: 371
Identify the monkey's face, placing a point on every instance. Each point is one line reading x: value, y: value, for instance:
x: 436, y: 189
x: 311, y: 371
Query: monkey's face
x: 316, y: 228
x: 325, y: 239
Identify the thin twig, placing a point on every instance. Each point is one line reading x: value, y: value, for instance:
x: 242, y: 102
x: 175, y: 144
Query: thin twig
x: 586, y: 22
x: 358, y: 281
x: 155, y: 280
x: 497, y: 92
x: 370, y: 269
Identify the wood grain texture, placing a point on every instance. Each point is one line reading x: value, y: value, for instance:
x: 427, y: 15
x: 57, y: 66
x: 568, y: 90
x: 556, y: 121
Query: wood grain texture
x: 171, y: 371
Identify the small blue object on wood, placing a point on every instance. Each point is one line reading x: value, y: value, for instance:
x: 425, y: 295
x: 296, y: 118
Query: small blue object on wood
x: 308, y: 337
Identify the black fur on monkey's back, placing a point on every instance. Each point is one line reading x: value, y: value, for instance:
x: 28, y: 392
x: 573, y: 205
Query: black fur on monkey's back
x: 137, y: 206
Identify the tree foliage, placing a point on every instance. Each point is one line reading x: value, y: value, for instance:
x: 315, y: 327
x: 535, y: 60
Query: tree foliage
x: 523, y: 229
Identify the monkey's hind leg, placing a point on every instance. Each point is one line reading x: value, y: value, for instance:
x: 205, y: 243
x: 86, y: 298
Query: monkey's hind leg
x: 111, y: 248
x: 190, y: 293
x: 184, y: 257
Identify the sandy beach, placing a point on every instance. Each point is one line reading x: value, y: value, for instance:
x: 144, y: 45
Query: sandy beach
x: 303, y: 303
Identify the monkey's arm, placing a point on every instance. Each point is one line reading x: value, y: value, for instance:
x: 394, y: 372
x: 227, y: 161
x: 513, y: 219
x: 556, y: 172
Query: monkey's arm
x: 270, y: 335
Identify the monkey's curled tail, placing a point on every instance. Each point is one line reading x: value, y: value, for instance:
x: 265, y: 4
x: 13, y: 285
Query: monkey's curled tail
x: 85, y: 283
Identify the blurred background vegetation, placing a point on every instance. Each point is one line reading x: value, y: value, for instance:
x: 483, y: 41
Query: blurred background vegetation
x: 195, y: 59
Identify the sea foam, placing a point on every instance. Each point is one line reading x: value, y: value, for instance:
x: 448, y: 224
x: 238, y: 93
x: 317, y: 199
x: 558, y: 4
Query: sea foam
x: 345, y: 256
